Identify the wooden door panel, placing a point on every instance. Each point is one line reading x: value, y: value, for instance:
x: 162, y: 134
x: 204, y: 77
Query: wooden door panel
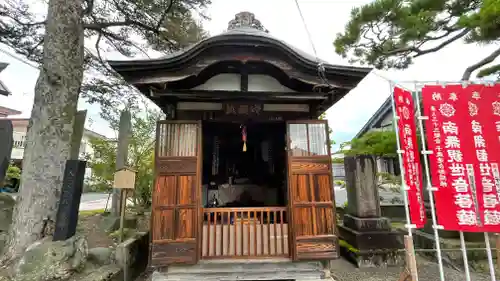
x: 176, y: 197
x: 320, y: 248
x: 161, y: 229
x: 322, y: 188
x: 302, y: 217
x: 325, y: 225
x: 164, y: 193
x: 300, y: 193
x: 311, y: 191
x: 176, y: 252
x: 186, y: 227
x: 186, y: 190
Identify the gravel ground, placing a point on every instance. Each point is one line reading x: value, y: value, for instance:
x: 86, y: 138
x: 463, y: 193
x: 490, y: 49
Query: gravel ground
x: 342, y: 270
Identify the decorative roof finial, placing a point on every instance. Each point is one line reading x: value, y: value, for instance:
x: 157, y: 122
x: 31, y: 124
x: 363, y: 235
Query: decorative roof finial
x: 245, y: 19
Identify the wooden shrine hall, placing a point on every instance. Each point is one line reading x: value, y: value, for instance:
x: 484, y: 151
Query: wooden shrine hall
x: 242, y: 163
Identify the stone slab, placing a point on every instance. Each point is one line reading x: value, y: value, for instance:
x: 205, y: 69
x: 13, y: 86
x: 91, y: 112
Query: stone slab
x: 6, y: 142
x: 242, y: 270
x: 133, y: 255
x: 367, y: 224
x: 362, y: 187
x: 372, y: 240
x: 69, y: 202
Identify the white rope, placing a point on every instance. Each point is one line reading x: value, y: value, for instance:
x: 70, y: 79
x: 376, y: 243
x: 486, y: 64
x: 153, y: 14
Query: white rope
x: 307, y: 31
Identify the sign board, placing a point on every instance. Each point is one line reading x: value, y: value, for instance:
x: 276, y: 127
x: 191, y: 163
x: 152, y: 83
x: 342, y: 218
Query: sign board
x: 463, y: 130
x: 124, y: 179
x: 412, y: 169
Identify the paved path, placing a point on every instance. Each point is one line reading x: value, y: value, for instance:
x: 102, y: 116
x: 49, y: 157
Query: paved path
x: 91, y: 201
x: 342, y: 270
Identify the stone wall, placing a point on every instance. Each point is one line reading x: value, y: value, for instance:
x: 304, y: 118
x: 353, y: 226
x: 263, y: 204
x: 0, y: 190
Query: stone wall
x: 133, y: 256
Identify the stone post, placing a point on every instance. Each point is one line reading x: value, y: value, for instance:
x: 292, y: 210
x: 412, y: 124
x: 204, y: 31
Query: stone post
x: 76, y: 137
x: 361, y: 184
x: 121, y: 156
x: 6, y: 142
x: 364, y: 228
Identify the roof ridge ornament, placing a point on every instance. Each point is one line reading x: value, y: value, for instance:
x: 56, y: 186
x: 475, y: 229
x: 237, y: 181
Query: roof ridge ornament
x: 246, y: 19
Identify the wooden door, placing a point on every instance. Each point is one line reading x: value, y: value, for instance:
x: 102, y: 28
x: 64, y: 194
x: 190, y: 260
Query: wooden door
x: 176, y: 194
x: 311, y: 199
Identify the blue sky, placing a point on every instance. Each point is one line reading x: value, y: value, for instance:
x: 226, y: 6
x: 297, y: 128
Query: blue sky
x: 324, y: 18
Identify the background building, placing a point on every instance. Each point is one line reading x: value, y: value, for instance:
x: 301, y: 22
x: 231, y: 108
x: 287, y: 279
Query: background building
x: 20, y: 127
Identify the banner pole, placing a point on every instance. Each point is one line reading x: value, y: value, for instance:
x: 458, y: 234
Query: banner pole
x: 401, y: 167
x: 490, y: 258
x: 497, y: 247
x: 430, y: 188
x: 408, y: 246
x: 464, y: 254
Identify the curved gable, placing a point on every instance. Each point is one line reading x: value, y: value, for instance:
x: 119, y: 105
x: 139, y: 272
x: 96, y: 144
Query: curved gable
x: 244, y: 59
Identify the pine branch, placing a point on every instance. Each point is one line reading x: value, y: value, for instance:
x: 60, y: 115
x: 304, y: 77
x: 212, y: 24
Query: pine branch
x: 481, y: 63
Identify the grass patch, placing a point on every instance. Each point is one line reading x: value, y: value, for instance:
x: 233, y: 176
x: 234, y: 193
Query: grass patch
x: 91, y: 212
x: 349, y: 247
x: 398, y: 225
x: 127, y: 233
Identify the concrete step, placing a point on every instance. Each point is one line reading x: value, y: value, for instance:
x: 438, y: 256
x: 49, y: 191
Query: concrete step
x: 245, y: 266
x: 242, y: 270
x: 241, y: 276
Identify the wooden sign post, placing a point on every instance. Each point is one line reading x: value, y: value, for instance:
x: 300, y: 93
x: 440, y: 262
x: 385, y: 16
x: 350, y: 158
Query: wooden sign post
x: 410, y: 270
x: 124, y: 181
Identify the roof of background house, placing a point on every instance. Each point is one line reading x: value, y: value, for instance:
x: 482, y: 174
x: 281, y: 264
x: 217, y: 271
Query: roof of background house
x: 376, y: 118
x: 3, y: 89
x: 8, y: 111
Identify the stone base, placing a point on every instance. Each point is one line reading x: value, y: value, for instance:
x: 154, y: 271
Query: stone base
x: 376, y: 248
x: 366, y: 224
x: 374, y: 258
x: 372, y: 240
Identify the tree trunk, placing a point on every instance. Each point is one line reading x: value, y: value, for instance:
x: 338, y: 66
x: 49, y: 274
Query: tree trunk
x: 51, y: 125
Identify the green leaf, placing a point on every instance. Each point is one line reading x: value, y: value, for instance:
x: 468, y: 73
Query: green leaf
x: 487, y: 71
x: 140, y: 155
x: 390, y: 34
x: 374, y: 143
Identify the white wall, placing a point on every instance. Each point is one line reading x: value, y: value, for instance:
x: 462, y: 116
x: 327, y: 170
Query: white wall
x: 231, y: 82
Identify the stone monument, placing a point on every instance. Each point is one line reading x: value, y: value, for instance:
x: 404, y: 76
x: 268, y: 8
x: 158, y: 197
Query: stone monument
x: 372, y: 241
x: 6, y: 141
x: 72, y: 185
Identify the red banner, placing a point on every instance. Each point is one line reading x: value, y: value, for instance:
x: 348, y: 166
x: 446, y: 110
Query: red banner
x: 463, y: 132
x: 412, y: 170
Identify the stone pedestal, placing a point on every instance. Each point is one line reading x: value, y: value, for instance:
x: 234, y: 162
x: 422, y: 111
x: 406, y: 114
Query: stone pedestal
x: 369, y: 239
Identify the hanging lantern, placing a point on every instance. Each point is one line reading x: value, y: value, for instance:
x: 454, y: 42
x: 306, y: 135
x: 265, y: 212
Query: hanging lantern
x: 244, y: 137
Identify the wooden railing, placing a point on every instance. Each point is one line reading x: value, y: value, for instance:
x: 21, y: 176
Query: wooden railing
x: 245, y: 233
